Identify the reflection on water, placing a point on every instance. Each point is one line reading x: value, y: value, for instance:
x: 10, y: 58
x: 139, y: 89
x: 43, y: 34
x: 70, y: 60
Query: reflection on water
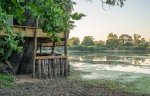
x: 141, y: 59
x: 110, y: 65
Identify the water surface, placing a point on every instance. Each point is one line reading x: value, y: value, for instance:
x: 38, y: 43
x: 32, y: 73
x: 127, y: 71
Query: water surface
x: 125, y: 66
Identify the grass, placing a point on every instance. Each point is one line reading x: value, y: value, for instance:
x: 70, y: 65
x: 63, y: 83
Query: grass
x: 143, y: 84
x: 140, y: 86
x: 6, y: 80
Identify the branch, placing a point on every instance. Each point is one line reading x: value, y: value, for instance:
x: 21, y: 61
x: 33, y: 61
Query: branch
x: 103, y: 5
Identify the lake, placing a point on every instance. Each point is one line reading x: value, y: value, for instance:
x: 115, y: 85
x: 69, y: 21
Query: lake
x: 112, y: 65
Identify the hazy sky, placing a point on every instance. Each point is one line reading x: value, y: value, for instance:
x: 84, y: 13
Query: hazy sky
x: 133, y: 18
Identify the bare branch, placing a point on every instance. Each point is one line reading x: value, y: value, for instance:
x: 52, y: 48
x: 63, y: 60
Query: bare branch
x: 103, y: 5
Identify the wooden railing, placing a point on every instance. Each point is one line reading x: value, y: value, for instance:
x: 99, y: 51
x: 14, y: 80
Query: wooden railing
x: 51, y: 66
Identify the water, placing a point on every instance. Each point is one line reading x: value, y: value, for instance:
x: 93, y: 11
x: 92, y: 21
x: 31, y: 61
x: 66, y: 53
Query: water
x: 118, y: 65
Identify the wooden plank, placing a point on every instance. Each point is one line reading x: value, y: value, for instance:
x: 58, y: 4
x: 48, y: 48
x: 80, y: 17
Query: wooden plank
x: 61, y: 67
x: 49, y: 57
x: 39, y: 69
x: 68, y: 69
x: 49, y: 69
x: 45, y: 73
x: 27, y: 31
x: 53, y: 63
x: 58, y: 68
x: 47, y: 40
x: 51, y: 44
x: 44, y: 76
x: 40, y: 48
x: 65, y: 68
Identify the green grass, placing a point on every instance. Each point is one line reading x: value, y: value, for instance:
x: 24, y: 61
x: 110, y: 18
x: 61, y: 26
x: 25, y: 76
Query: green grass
x: 143, y: 84
x: 140, y: 86
x: 6, y: 80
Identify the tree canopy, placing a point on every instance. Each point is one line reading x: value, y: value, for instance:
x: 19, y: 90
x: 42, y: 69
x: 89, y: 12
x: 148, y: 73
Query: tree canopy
x: 74, y: 41
x: 112, y: 40
x: 88, y: 41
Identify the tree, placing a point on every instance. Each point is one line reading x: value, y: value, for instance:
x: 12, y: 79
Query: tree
x: 125, y: 39
x: 139, y: 42
x: 136, y: 39
x: 88, y: 41
x: 74, y: 41
x: 149, y: 44
x: 143, y: 44
x: 100, y: 42
x: 112, y: 40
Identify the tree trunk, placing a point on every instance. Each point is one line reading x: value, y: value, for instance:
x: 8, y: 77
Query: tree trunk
x: 25, y: 65
x: 23, y: 62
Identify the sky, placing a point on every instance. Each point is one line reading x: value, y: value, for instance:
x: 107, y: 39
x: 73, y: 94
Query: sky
x: 132, y: 18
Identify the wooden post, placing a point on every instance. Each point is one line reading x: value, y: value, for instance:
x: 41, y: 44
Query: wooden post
x: 45, y: 69
x: 61, y: 67
x: 68, y: 69
x: 49, y: 69
x: 65, y: 68
x: 63, y: 71
x: 53, y: 63
x: 44, y: 76
x: 53, y: 47
x: 39, y: 69
x: 34, y: 53
x: 58, y: 68
x: 65, y: 49
x: 40, y: 48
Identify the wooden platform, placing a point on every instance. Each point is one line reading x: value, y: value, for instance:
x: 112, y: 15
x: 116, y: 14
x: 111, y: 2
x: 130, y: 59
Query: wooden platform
x: 27, y: 31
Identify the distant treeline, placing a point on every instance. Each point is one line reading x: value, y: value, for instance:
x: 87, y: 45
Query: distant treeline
x: 113, y: 42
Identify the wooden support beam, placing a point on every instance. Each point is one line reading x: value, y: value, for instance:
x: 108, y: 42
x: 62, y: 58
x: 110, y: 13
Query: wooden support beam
x: 39, y: 69
x: 63, y: 63
x: 50, y: 44
x: 58, y: 67
x: 50, y: 57
x: 54, y: 68
x: 66, y: 68
x: 40, y: 47
x: 43, y: 70
x: 61, y: 72
x: 65, y: 52
x: 66, y: 38
x: 49, y: 68
x: 53, y: 47
x: 34, y: 53
x: 28, y: 31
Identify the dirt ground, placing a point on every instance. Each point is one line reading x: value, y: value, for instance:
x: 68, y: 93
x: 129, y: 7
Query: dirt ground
x: 26, y: 86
